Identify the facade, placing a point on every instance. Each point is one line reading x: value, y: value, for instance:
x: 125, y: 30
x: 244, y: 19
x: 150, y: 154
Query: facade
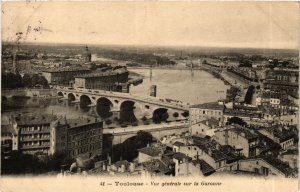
x: 241, y: 139
x: 63, y: 76
x: 109, y: 81
x: 206, y: 111
x: 77, y: 137
x: 87, y: 56
x: 280, y: 135
x: 9, y: 140
x: 149, y: 153
x: 205, y: 127
x: 264, y: 166
x: 285, y: 80
x: 34, y: 133
x: 290, y: 157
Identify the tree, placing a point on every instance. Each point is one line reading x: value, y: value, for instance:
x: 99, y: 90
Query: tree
x: 27, y: 80
x: 131, y: 146
x: 236, y: 120
x: 249, y: 94
x: 43, y: 81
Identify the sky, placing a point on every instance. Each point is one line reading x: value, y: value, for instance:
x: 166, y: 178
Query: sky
x: 203, y: 24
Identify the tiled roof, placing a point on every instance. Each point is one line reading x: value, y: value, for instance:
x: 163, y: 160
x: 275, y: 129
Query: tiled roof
x: 34, y: 119
x: 212, y: 105
x: 167, y: 160
x: 156, y: 166
x: 281, y: 133
x: 291, y: 152
x: 177, y: 143
x: 122, y: 162
x: 151, y: 151
x: 102, y: 74
x: 72, y: 123
x: 278, y: 164
x: 180, y: 156
x: 54, y: 70
x: 245, y: 133
x: 211, y: 122
x: 205, y: 168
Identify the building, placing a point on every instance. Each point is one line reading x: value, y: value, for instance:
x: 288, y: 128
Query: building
x: 63, y: 76
x: 280, y: 135
x: 216, y: 156
x: 34, y: 133
x: 115, y: 80
x: 241, y: 139
x: 265, y: 165
x: 9, y: 139
x: 205, y: 127
x: 205, y: 111
x: 77, y: 137
x: 291, y: 157
x: 287, y: 80
x: 149, y: 153
x: 87, y: 56
x: 246, y: 116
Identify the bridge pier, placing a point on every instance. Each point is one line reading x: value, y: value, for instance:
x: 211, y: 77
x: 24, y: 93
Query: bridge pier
x: 77, y: 105
x: 93, y: 110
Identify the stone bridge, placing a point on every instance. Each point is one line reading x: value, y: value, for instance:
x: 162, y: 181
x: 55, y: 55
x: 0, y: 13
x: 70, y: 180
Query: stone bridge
x: 119, y: 135
x: 112, y: 105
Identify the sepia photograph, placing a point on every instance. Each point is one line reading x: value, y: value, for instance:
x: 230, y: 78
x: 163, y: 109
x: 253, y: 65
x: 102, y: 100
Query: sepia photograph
x: 149, y: 96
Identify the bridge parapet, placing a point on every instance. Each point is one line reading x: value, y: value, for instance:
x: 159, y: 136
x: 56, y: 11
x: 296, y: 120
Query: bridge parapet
x: 152, y: 100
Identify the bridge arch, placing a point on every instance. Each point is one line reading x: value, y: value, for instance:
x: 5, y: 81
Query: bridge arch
x: 103, y: 107
x: 85, y: 101
x: 159, y: 115
x: 71, y: 97
x: 127, y: 109
x: 60, y: 94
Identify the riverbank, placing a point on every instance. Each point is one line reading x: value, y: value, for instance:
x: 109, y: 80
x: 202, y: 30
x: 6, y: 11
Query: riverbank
x: 166, y: 68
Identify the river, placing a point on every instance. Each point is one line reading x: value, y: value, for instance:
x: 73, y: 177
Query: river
x: 201, y: 87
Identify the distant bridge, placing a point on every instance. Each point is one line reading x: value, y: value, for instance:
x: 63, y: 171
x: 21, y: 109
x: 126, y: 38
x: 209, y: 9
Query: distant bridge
x: 156, y: 130
x: 107, y: 104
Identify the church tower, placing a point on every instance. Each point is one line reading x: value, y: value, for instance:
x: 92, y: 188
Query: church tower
x: 87, y: 56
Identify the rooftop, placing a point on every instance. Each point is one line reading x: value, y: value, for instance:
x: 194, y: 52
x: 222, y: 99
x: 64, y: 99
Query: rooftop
x: 212, y: 105
x: 34, y: 119
x: 156, y: 166
x: 205, y: 168
x: 280, y: 132
x: 101, y: 74
x: 54, y: 70
x: 177, y: 143
x: 180, y: 156
x: 278, y: 164
x: 246, y: 133
x: 151, y: 151
x: 122, y: 162
x: 211, y: 122
x: 76, y: 122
